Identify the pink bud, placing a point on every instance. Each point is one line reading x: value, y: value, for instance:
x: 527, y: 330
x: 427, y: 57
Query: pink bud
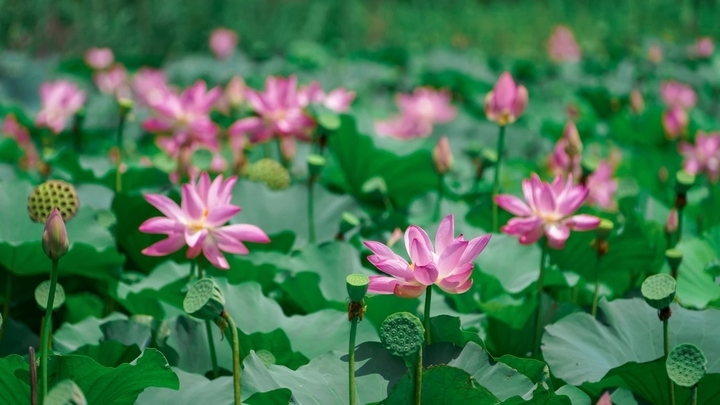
x: 704, y: 47
x: 637, y: 103
x: 671, y: 224
x: 442, y: 156
x: 562, y: 46
x: 288, y: 148
x: 675, y: 122
x: 223, y: 42
x: 573, y: 144
x: 99, y: 58
x: 506, y: 102
x: 604, y: 399
x: 54, y: 239
x: 395, y: 237
x: 235, y: 91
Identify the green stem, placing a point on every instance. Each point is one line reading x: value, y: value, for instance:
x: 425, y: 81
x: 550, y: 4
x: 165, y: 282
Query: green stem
x: 6, y: 303
x: 496, y: 181
x: 680, y: 226
x: 236, y: 357
x: 208, y: 330
x: 44, y: 340
x: 311, y: 209
x: 418, y: 378
x: 597, y: 287
x: 118, y: 173
x: 666, y: 347
x: 426, y: 319
x: 266, y: 149
x: 351, y: 357
x: 693, y: 395
x: 538, y: 310
x: 440, y: 192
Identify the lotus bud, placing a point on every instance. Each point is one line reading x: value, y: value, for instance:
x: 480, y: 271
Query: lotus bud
x: 675, y: 122
x: 671, y: 224
x: 442, y: 156
x: 704, y: 47
x: 235, y: 91
x: 637, y: 103
x: 573, y: 144
x: 506, y: 102
x: 55, y: 239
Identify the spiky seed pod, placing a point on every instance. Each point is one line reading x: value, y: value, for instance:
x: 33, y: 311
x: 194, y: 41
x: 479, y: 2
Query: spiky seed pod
x: 52, y: 194
x: 270, y: 172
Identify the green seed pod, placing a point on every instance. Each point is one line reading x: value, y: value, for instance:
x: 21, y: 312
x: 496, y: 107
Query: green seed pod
x: 683, y: 181
x: 375, y: 185
x: 686, y: 365
x: 124, y: 105
x: 329, y: 120
x: 658, y: 290
x: 402, y: 334
x: 270, y: 172
x: 53, y: 194
x: 65, y: 393
x: 348, y: 222
x: 604, y: 229
x: 357, y: 286
x: 265, y: 357
x: 42, y: 291
x: 204, y: 300
x: 674, y: 258
x: 315, y: 164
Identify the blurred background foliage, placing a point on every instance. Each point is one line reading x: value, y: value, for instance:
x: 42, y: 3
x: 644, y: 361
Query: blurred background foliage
x: 157, y: 29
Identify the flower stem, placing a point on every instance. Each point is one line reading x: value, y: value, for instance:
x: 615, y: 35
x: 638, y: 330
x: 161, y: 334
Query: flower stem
x: 311, y: 209
x: 680, y: 226
x: 496, y: 182
x: 426, y: 319
x: 208, y: 330
x: 236, y: 356
x: 418, y: 378
x: 351, y: 358
x: 597, y: 287
x: 118, y: 173
x: 440, y: 192
x: 693, y: 395
x: 33, y: 376
x: 538, y: 310
x: 666, y: 346
x: 44, y: 339
x: 6, y: 303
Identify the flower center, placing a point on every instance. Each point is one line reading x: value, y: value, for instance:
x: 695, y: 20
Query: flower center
x: 199, y: 225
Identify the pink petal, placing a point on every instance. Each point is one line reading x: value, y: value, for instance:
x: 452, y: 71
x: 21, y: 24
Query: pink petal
x: 557, y: 235
x: 382, y: 285
x: 461, y: 274
x: 228, y: 244
x: 221, y: 215
x: 156, y: 125
x: 161, y: 225
x: 394, y: 267
x: 450, y: 257
x: 191, y: 202
x: 172, y: 244
x: 166, y: 206
x: 426, y: 274
x: 517, y: 226
x: 243, y: 232
x: 408, y: 291
x: 381, y: 250
x: 546, y: 199
x: 212, y: 252
x: 416, y: 233
x: 474, y: 248
x: 605, y: 399
x: 419, y: 254
x: 445, y: 233
x: 194, y: 236
x: 583, y: 222
x: 246, y: 125
x: 513, y: 205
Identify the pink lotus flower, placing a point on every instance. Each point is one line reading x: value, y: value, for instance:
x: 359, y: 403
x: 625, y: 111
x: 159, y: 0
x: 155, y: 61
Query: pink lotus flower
x: 419, y: 111
x: 280, y: 113
x: 676, y: 94
x: 150, y: 86
x: 548, y: 211
x: 562, y: 46
x: 675, y: 122
x: 60, y: 100
x: 223, y: 42
x: 337, y: 100
x: 99, y: 58
x: 185, y: 117
x: 565, y: 158
x: 506, y: 102
x: 11, y: 127
x: 672, y: 222
x: 703, y: 157
x: 449, y: 264
x: 199, y: 222
x: 442, y: 156
x: 704, y: 47
x: 403, y: 127
x: 602, y: 187
x: 111, y: 81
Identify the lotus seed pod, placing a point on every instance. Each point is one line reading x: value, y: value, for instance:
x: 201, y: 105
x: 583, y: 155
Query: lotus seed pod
x: 204, y: 300
x: 65, y: 393
x: 674, y: 258
x: 604, y: 229
x: 315, y: 164
x: 348, y: 222
x: 683, y: 181
x: 265, y: 357
x: 329, y: 120
x: 270, y: 172
x: 124, y: 105
x: 402, y: 334
x: 42, y: 291
x: 357, y: 286
x: 489, y: 157
x: 658, y: 290
x: 53, y: 194
x: 375, y: 185
x: 686, y: 365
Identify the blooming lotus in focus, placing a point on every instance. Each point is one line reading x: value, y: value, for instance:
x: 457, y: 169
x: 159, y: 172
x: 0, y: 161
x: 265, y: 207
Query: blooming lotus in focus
x: 199, y: 222
x: 223, y: 42
x: 112, y: 80
x: 704, y: 47
x: 337, y: 100
x: 548, y: 210
x: 60, y: 100
x: 449, y: 263
x: 565, y: 158
x: 99, y: 58
x: 186, y: 117
x: 703, y: 157
x: 562, y: 46
x: 419, y: 111
x: 506, y: 102
x: 602, y: 187
x: 150, y: 86
x: 676, y: 94
x: 675, y: 121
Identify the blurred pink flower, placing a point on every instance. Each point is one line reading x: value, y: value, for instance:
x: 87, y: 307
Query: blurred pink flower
x: 403, y: 127
x: 112, y: 80
x: 337, y: 100
x: 676, y: 94
x: 549, y: 211
x: 637, y: 103
x: 675, y: 122
x: 185, y: 117
x: 234, y: 95
x: 704, y: 47
x: 279, y: 112
x: 703, y: 156
x: 565, y: 158
x: 506, y: 102
x: 223, y: 42
x: 11, y: 127
x: 442, y: 156
x: 199, y: 222
x: 60, y: 100
x: 150, y: 86
x: 602, y: 187
x: 672, y: 222
x: 562, y: 46
x: 655, y: 54
x: 604, y: 399
x: 449, y: 264
x: 99, y: 58
x: 419, y: 111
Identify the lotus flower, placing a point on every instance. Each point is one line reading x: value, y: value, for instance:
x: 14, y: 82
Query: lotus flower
x: 337, y: 100
x: 676, y: 94
x: 449, y: 264
x: 150, y: 86
x: 704, y: 47
x: 506, y: 102
x: 233, y: 96
x: 199, y: 222
x: 99, y: 58
x: 112, y: 80
x: 565, y: 158
x: 602, y: 187
x: 11, y: 127
x: 675, y: 121
x: 419, y: 111
x: 60, y: 100
x: 223, y: 42
x: 562, y: 46
x: 549, y: 211
x: 280, y: 113
x: 703, y: 157
x: 403, y: 127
